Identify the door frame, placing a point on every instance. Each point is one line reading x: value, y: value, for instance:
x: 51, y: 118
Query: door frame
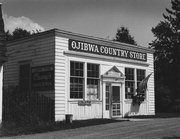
x: 21, y: 63
x: 120, y: 95
x: 108, y: 113
x: 115, y: 77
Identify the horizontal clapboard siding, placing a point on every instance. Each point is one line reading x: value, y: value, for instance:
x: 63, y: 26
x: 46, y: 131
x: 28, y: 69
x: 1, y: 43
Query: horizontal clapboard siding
x: 150, y: 91
x: 130, y: 109
x: 61, y: 45
x: 85, y: 112
x: 37, y: 51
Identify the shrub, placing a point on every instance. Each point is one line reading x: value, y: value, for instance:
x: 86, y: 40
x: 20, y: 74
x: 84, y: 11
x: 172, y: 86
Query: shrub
x: 26, y: 107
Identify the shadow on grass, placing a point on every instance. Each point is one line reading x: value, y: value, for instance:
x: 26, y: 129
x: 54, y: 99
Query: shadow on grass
x: 14, y: 129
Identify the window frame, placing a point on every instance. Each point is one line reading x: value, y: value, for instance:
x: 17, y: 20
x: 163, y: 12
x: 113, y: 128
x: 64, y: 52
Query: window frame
x: 85, y: 80
x: 132, y: 81
x: 135, y: 80
x: 93, y: 78
x: 144, y: 94
x: 77, y: 77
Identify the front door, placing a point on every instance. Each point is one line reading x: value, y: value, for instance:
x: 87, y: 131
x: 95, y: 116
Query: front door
x: 115, y: 101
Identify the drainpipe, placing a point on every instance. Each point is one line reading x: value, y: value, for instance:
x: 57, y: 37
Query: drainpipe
x: 2, y: 60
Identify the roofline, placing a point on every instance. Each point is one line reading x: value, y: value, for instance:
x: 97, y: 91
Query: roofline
x: 97, y: 39
x: 72, y: 35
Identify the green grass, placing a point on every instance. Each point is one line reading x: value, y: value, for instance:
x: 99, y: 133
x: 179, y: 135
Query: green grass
x: 157, y: 115
x: 13, y: 129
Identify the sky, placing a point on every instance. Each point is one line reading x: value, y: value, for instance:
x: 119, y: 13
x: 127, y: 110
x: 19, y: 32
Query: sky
x: 98, y: 18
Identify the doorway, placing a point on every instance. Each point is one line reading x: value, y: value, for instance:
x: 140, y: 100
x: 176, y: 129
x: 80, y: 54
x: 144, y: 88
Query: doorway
x: 25, y: 77
x: 113, y: 86
x: 115, y: 101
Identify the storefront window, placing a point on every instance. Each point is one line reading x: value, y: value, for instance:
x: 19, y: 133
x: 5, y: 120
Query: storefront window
x: 92, y: 81
x: 76, y: 80
x: 129, y: 83
x: 140, y: 76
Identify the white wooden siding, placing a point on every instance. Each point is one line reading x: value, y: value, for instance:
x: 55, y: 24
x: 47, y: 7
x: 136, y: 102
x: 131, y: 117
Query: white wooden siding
x: 150, y: 91
x: 61, y: 45
x: 85, y: 112
x: 146, y: 108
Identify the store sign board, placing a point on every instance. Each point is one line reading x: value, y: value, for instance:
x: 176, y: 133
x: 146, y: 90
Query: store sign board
x: 80, y: 46
x: 42, y: 78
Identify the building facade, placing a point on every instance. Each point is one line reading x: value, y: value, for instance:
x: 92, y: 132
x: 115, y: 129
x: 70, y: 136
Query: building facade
x: 85, y: 76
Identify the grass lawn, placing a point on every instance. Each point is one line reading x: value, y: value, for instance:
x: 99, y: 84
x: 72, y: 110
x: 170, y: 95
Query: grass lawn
x: 158, y: 115
x: 12, y: 129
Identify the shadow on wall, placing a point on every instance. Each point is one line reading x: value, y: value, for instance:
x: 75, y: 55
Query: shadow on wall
x: 134, y: 110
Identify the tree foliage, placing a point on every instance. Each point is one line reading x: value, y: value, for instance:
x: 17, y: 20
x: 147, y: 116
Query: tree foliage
x: 19, y: 33
x: 123, y: 35
x: 166, y: 46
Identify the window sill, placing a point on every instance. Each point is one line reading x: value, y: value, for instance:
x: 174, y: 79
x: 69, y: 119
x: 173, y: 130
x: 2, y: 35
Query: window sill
x: 76, y: 100
x: 130, y: 101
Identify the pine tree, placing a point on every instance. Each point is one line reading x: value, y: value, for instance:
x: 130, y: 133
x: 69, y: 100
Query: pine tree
x: 166, y: 46
x: 19, y: 33
x: 124, y: 36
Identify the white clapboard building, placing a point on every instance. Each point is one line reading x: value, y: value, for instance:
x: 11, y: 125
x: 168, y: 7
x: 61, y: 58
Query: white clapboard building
x: 85, y: 76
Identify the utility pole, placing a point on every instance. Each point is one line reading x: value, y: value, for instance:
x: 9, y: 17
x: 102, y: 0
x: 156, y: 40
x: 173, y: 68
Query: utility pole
x: 2, y: 60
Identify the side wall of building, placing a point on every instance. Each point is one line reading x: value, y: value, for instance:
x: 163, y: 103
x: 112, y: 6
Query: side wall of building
x: 37, y: 51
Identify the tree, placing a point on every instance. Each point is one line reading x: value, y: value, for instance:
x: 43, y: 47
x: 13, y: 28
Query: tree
x: 124, y: 36
x: 19, y: 33
x: 166, y: 46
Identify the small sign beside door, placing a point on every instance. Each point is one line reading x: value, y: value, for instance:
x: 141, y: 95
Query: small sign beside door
x: 84, y: 103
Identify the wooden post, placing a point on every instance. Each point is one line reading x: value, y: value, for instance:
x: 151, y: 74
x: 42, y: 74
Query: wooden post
x: 1, y: 90
x: 2, y: 60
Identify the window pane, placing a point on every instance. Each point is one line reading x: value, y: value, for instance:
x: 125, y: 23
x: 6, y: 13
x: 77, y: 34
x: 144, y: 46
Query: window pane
x: 76, y: 80
x: 92, y: 81
x: 129, y: 72
x: 76, y: 69
x: 93, y: 70
x: 140, y: 74
x: 92, y: 89
x: 140, y: 77
x: 129, y: 83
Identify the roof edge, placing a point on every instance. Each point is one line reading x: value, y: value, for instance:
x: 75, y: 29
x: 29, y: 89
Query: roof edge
x: 68, y: 33
x: 63, y: 33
